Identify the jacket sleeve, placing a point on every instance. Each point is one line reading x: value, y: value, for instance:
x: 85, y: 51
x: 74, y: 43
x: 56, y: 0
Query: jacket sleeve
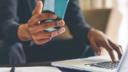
x: 8, y: 20
x: 76, y: 21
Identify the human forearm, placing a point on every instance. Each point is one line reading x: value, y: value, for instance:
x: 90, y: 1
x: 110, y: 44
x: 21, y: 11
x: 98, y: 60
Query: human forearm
x: 9, y: 20
x: 76, y: 21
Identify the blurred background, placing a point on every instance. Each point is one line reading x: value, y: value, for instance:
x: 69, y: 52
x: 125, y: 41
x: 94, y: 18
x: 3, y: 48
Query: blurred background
x: 109, y: 16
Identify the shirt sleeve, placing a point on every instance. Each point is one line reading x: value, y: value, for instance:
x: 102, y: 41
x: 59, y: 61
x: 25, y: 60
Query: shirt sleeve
x: 9, y: 20
x: 76, y: 21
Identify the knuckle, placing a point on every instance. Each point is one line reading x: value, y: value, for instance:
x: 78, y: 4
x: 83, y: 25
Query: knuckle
x: 37, y: 38
x: 35, y: 30
x: 39, y: 16
x: 33, y: 38
x: 31, y: 31
x: 44, y: 25
x: 110, y: 49
x: 36, y: 16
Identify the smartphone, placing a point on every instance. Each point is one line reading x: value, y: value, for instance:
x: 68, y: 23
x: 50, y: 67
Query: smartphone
x: 57, y: 7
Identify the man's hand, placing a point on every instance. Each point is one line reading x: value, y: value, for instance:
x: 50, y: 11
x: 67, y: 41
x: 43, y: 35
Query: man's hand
x: 34, y: 30
x: 98, y: 40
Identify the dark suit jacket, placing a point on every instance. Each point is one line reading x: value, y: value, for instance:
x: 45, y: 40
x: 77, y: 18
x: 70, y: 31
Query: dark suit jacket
x: 15, y: 12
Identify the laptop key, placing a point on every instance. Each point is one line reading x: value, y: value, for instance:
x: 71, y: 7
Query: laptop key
x: 107, y: 65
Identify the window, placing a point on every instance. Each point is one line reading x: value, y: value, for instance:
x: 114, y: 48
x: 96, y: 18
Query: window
x: 123, y: 28
x: 97, y: 4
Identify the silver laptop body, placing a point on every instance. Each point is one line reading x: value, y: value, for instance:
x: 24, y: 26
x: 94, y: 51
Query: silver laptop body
x: 95, y: 64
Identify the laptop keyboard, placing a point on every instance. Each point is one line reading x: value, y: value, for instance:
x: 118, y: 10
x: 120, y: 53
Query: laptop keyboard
x: 107, y: 65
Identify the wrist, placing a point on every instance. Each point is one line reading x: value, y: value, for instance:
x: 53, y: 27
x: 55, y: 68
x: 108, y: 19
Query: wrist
x: 23, y: 33
x: 90, y: 32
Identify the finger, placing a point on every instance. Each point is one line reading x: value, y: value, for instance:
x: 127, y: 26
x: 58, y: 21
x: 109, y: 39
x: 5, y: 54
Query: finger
x: 118, y: 49
x: 111, y: 53
x: 44, y: 41
x: 110, y: 50
x: 38, y: 8
x: 58, y: 32
x: 37, y: 18
x: 40, y: 27
x: 49, y: 25
x: 41, y: 42
x: 60, y: 23
x: 95, y: 47
x: 41, y: 37
x: 99, y: 48
x: 48, y: 15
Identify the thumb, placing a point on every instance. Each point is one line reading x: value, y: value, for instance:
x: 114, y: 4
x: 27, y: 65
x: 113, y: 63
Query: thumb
x: 38, y: 8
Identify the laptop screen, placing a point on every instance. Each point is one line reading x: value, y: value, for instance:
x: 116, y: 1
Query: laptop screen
x: 123, y: 65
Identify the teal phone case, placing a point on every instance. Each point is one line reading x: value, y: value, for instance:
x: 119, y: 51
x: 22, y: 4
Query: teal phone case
x: 60, y: 7
x: 57, y: 6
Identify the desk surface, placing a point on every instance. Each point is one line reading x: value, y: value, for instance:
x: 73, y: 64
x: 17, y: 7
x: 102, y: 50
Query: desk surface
x: 42, y: 64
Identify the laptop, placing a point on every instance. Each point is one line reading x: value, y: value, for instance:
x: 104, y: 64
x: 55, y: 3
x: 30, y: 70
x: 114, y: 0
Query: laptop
x: 95, y: 64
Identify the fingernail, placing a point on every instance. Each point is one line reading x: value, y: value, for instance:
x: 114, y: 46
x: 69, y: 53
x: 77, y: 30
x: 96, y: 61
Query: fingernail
x: 63, y: 30
x: 61, y: 22
x: 114, y: 61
